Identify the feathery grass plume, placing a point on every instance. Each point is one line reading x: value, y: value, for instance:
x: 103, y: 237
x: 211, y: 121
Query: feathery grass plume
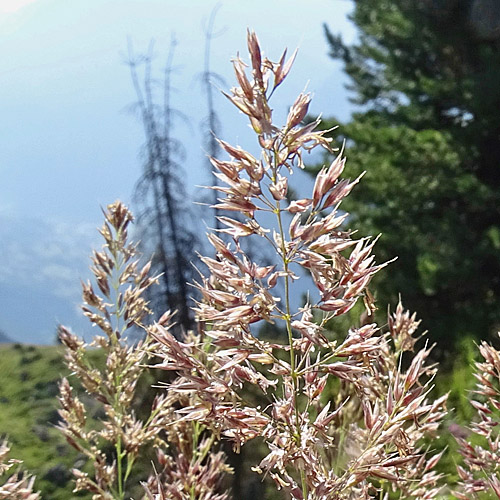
x: 18, y: 486
x: 366, y: 443
x: 115, y: 445
x: 480, y: 451
x: 193, y: 469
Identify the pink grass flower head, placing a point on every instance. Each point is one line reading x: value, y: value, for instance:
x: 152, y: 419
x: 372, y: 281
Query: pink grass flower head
x: 479, y: 473
x: 365, y: 441
x: 115, y: 443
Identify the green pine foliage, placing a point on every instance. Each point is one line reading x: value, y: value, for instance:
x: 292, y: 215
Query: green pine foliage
x: 427, y: 131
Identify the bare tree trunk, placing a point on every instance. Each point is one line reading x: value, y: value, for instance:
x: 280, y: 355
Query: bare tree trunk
x: 174, y: 240
x: 212, y: 121
x: 151, y: 176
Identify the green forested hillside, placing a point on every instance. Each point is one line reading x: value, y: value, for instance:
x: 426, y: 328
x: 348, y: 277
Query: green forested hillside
x: 28, y: 415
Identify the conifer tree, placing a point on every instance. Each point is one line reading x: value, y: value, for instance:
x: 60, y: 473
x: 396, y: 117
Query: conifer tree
x: 427, y: 131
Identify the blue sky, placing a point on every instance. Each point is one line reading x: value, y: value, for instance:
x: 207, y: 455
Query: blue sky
x: 68, y: 145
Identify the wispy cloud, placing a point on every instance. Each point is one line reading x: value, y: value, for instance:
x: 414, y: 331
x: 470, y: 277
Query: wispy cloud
x: 46, y: 254
x: 10, y: 6
x: 41, y: 265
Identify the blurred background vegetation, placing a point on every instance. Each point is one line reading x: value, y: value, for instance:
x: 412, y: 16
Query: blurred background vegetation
x: 425, y: 78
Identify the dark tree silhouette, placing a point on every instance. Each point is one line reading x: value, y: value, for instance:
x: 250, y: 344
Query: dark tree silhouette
x: 210, y: 125
x: 165, y: 217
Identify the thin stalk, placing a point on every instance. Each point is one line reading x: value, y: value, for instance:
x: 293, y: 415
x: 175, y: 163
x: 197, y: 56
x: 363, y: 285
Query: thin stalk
x: 115, y: 342
x: 119, y: 467
x: 381, y: 489
x: 195, y: 455
x: 130, y: 464
x: 287, y: 317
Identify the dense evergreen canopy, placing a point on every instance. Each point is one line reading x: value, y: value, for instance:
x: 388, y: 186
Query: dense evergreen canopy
x: 426, y: 77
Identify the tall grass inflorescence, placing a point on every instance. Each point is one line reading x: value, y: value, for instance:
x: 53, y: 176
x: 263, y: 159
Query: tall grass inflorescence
x: 347, y: 415
x: 481, y: 450
x: 115, y: 442
x: 368, y: 440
